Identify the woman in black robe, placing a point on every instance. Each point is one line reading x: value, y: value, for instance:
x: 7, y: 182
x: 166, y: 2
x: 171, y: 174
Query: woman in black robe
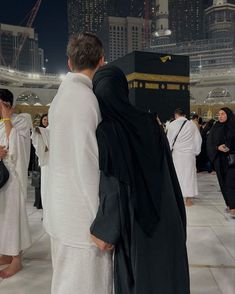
x: 141, y: 208
x: 203, y: 162
x: 37, y: 170
x: 221, y: 142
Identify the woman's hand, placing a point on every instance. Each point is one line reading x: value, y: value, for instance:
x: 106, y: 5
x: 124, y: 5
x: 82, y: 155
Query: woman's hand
x: 223, y: 148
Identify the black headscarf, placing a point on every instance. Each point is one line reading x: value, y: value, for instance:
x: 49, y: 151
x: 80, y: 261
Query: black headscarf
x: 130, y: 145
x: 230, y: 122
x: 221, y: 133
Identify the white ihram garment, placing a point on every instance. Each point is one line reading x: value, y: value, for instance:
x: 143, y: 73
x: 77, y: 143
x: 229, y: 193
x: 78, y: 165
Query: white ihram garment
x: 14, y: 228
x: 71, y: 200
x: 80, y: 271
x: 185, y: 150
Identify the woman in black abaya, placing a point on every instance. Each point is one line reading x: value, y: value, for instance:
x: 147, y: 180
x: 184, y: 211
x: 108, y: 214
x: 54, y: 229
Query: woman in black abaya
x: 37, y: 169
x: 221, y: 142
x: 141, y: 208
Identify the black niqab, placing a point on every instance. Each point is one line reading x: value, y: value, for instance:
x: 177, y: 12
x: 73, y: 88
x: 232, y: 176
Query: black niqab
x: 131, y: 145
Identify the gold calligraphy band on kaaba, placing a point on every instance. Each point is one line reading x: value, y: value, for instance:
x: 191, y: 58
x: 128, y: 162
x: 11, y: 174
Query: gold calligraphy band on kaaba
x: 157, y: 78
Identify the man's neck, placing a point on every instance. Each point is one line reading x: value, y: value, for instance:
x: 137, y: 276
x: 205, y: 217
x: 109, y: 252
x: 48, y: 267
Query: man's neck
x: 87, y: 72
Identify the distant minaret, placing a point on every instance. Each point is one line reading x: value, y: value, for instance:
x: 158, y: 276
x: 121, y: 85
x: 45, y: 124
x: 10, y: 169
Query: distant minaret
x: 162, y: 19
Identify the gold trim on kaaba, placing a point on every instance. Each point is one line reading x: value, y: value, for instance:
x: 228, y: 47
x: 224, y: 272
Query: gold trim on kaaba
x: 157, y: 86
x: 174, y: 87
x: 153, y: 86
x: 157, y: 78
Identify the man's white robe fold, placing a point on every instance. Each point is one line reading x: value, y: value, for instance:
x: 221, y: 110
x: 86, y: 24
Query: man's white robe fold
x: 14, y: 228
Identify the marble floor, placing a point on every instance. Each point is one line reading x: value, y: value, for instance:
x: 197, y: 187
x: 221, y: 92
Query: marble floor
x: 211, y: 248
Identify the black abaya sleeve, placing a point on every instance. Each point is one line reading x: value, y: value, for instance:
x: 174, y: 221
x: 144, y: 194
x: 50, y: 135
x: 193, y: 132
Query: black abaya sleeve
x: 106, y: 225
x: 175, y: 183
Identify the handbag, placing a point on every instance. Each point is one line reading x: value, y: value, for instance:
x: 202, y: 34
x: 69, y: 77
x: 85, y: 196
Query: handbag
x: 4, y: 174
x: 231, y: 160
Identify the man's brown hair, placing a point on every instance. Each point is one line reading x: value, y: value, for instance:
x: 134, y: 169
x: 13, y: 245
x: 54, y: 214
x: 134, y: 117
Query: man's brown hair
x: 84, y: 51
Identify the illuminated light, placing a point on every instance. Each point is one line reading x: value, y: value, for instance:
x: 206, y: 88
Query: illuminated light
x: 36, y: 76
x: 162, y: 33
x: 11, y: 71
x: 62, y: 76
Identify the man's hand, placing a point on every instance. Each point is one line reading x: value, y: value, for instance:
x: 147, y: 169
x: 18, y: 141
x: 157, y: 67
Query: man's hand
x: 7, y: 110
x: 3, y: 152
x: 103, y: 246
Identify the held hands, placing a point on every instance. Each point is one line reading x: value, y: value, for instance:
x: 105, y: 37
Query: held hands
x: 103, y: 246
x: 223, y: 148
x: 3, y: 152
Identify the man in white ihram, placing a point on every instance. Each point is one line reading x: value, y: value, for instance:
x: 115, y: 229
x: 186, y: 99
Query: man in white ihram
x: 71, y: 201
x: 185, y: 142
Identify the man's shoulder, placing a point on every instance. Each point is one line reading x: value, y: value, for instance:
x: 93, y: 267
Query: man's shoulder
x: 22, y: 121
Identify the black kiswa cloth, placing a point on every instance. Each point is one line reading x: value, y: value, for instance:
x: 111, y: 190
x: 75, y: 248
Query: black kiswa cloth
x: 130, y: 146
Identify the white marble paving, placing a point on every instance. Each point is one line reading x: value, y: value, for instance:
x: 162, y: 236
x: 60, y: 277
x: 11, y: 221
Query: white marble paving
x: 211, y: 247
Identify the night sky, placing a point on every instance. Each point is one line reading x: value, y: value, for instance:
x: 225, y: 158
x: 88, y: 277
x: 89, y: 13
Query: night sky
x: 50, y: 24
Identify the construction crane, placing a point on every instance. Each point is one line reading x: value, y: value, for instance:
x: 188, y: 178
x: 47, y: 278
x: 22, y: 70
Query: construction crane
x: 23, y: 37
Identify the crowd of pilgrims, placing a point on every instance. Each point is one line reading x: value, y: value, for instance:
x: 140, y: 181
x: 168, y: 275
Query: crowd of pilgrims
x: 217, y: 152
x: 210, y: 159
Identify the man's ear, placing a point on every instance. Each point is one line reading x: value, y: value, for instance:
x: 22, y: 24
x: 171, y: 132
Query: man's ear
x: 70, y: 65
x: 101, y: 62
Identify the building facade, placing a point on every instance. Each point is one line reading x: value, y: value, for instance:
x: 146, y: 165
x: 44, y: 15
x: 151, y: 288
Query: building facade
x: 217, y: 49
x: 30, y: 58
x: 207, y: 54
x: 122, y: 35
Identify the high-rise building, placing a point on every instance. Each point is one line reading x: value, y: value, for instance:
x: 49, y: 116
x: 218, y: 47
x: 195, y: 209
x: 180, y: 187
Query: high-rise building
x: 124, y: 8
x: 186, y: 19
x: 119, y: 8
x: 85, y: 15
x: 122, y: 35
x: 72, y: 14
x: 30, y: 57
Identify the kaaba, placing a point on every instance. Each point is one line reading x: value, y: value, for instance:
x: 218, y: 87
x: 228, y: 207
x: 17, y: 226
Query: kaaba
x: 158, y: 83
